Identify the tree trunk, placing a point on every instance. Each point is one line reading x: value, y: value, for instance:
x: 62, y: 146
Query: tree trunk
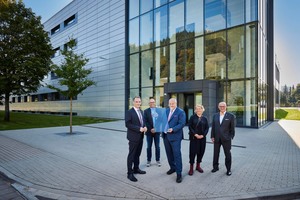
x: 6, y: 115
x: 71, y: 113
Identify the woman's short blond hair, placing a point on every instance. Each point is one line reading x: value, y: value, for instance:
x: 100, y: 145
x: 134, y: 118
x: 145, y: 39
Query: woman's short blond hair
x: 199, y: 106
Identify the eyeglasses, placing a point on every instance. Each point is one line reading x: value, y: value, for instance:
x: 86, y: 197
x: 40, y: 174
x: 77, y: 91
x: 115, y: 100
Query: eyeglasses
x: 151, y: 102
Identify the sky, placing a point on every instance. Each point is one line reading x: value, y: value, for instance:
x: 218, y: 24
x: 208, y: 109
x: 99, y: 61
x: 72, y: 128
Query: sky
x: 286, y: 33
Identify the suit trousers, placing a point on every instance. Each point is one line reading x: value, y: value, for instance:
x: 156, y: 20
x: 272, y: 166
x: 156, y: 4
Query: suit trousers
x: 226, y: 147
x: 150, y: 138
x: 133, y: 158
x: 173, y: 151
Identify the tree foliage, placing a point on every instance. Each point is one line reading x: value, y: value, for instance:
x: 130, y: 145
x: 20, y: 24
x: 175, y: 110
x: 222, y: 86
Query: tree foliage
x: 72, y: 74
x: 25, y: 51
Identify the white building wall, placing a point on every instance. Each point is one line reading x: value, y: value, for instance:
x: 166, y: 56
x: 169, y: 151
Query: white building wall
x: 100, y: 35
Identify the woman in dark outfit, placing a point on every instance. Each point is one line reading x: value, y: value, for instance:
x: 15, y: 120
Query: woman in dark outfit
x: 198, y: 129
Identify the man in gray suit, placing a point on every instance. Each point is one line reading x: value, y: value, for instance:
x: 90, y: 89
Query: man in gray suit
x: 136, y: 128
x: 222, y: 132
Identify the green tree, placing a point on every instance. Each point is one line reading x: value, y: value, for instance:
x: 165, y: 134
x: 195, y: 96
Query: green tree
x: 26, y: 51
x: 72, y: 74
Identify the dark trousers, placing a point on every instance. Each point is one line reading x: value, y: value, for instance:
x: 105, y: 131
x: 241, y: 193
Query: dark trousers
x: 226, y: 147
x: 150, y: 138
x: 133, y: 158
x: 197, y: 147
x: 173, y: 151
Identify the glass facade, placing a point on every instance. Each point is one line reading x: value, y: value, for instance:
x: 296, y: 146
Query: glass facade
x: 208, y: 50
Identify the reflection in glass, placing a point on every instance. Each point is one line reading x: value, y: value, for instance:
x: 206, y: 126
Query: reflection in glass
x: 158, y: 3
x: 146, y: 94
x: 235, y: 13
x: 236, y: 100
x: 251, y: 50
x: 251, y: 10
x: 215, y: 56
x: 194, y: 17
x: 134, y: 8
x: 134, y: 71
x: 236, y: 49
x: 146, y: 6
x: 190, y: 60
x: 176, y: 16
x: 199, y: 58
x: 134, y: 35
x: 161, y: 60
x: 147, y: 68
x: 215, y: 15
x: 146, y: 31
x: 161, y: 26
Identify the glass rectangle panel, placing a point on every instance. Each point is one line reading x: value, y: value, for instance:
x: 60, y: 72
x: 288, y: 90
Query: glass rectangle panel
x: 161, y: 26
x: 199, y: 58
x: 161, y: 61
x: 146, y: 31
x: 189, y: 59
x: 236, y: 52
x: 134, y: 35
x: 194, y: 17
x: 235, y: 13
x: 176, y: 20
x: 159, y: 96
x: 147, y: 68
x: 134, y: 71
x: 215, y: 15
x: 146, y: 94
x: 236, y: 100
x: 158, y: 3
x: 215, y: 56
x: 251, y: 10
x: 134, y: 8
x: 146, y: 6
x: 251, y: 50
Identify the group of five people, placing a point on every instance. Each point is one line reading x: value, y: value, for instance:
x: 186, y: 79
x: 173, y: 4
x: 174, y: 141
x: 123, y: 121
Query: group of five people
x: 169, y: 123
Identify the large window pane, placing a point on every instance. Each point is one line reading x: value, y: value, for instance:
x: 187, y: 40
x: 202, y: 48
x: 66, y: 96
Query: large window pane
x: 177, y: 62
x: 176, y: 21
x: 159, y: 97
x: 134, y: 35
x: 251, y: 50
x: 158, y: 3
x: 161, y: 61
x: 251, y: 10
x: 134, y: 71
x: 134, y: 8
x: 161, y: 26
x: 146, y: 31
x: 199, y: 56
x: 251, y: 103
x: 215, y: 15
x: 146, y: 6
x: 190, y: 60
x: 236, y: 100
x: 236, y: 49
x: 147, y: 68
x: 194, y: 17
x: 235, y: 13
x: 215, y: 56
x: 146, y: 94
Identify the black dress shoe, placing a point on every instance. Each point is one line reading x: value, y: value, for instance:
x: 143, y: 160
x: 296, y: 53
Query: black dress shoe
x: 228, y: 173
x: 179, y: 179
x: 214, y: 170
x: 138, y: 171
x: 171, y: 171
x: 131, y: 177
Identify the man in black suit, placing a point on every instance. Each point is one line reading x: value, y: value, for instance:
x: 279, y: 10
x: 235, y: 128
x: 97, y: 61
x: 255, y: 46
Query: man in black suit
x: 136, y: 128
x: 222, y: 132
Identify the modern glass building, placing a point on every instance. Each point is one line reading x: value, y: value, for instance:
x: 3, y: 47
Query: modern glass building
x: 203, y: 51
x: 199, y: 51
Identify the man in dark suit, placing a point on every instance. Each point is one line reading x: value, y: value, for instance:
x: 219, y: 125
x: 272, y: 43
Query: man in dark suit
x: 152, y: 120
x: 222, y: 132
x: 136, y: 128
x: 173, y: 136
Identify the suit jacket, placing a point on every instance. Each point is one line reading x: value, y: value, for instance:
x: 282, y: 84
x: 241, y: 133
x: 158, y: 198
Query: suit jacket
x: 224, y: 131
x: 176, y: 122
x: 198, y: 127
x: 133, y: 125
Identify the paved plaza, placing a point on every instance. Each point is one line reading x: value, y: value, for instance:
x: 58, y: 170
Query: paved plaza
x: 47, y: 163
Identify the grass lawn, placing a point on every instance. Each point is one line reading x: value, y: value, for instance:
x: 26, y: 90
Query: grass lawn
x: 27, y: 120
x: 290, y: 113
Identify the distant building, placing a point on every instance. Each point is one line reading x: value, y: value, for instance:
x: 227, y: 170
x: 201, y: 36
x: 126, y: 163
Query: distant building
x: 199, y: 51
